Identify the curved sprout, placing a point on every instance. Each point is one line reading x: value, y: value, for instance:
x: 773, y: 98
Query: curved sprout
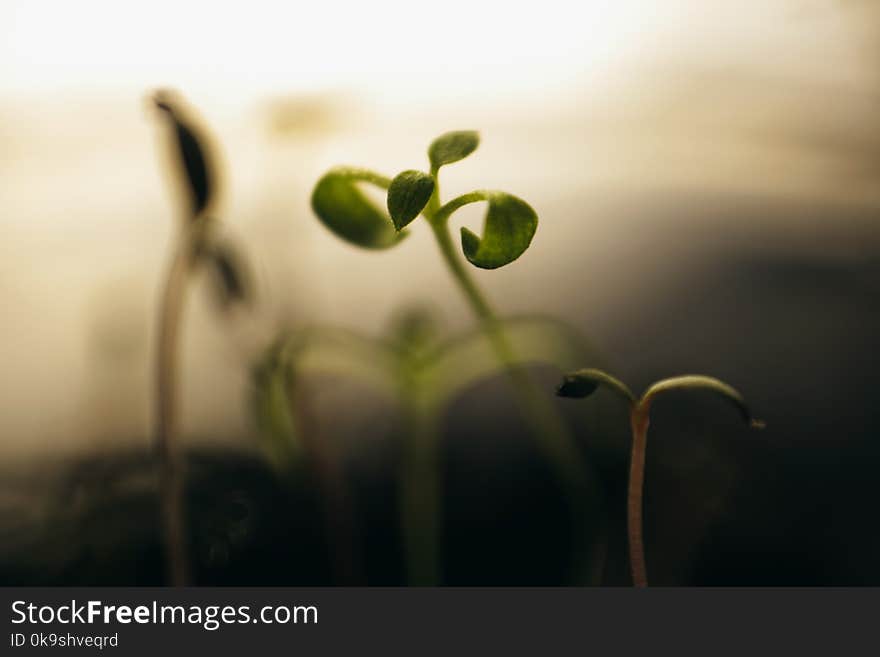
x: 584, y: 383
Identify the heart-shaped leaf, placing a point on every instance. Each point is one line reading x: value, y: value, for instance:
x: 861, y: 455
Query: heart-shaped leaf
x: 345, y: 209
x: 452, y: 147
x: 508, y: 229
x: 408, y: 195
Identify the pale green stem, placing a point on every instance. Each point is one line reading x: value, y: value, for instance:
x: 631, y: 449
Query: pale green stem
x: 420, y: 486
x: 544, y: 420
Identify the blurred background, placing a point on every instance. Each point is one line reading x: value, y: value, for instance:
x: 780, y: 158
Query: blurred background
x: 706, y: 176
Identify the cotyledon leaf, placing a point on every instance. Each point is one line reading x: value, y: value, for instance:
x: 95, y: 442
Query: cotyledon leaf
x: 452, y: 146
x: 508, y: 228
x: 346, y: 210
x: 408, y: 195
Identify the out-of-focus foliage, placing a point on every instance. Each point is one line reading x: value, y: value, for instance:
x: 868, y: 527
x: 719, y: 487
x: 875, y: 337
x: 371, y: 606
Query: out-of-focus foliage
x: 412, y: 359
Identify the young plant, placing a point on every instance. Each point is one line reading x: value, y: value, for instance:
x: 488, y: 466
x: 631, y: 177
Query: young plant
x: 424, y: 371
x: 290, y: 435
x: 508, y: 228
x: 584, y: 383
x: 196, y: 243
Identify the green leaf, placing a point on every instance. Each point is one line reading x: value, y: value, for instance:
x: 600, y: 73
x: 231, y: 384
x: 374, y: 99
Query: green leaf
x: 508, y: 229
x: 584, y: 383
x: 345, y: 209
x: 322, y: 350
x: 700, y: 382
x: 336, y: 351
x: 470, y: 357
x: 452, y: 147
x: 408, y: 195
x: 272, y: 379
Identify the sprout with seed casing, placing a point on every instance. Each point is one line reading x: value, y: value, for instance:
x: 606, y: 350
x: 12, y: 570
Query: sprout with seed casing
x: 584, y: 383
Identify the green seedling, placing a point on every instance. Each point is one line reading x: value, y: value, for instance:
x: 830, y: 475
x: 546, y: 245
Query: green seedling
x: 291, y: 436
x: 420, y: 369
x: 430, y: 372
x: 197, y: 243
x: 508, y: 228
x: 584, y: 383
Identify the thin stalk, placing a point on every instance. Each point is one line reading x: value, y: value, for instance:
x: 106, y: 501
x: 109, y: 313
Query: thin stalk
x: 338, y: 518
x: 544, y: 421
x: 420, y: 500
x: 171, y: 484
x: 419, y: 477
x: 639, y: 421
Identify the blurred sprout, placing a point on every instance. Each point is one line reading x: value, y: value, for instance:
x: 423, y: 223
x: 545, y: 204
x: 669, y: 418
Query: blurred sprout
x: 272, y: 378
x: 425, y: 372
x: 415, y: 330
x: 197, y: 244
x: 194, y: 154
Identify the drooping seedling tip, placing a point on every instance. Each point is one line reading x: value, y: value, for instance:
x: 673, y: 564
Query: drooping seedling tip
x: 573, y: 387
